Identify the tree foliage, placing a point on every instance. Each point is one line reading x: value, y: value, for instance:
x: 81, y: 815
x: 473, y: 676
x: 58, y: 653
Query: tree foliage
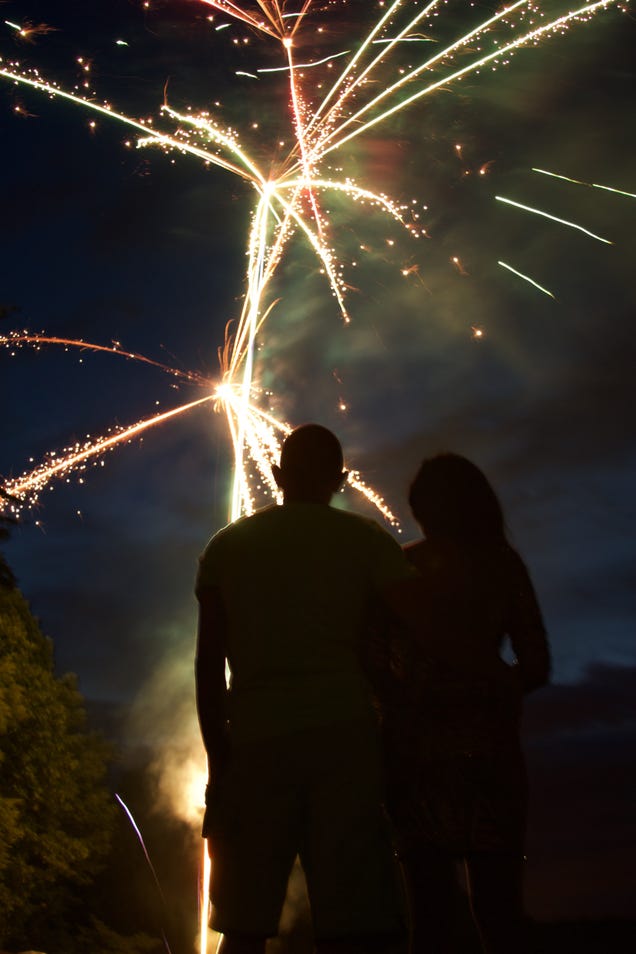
x: 6, y: 576
x: 100, y: 938
x: 56, y: 813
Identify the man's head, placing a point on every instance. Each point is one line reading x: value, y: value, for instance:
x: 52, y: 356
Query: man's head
x: 310, y: 465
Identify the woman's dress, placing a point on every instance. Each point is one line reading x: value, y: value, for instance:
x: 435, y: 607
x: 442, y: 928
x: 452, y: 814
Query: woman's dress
x: 452, y: 714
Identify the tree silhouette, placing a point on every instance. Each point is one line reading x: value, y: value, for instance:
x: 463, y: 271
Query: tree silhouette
x: 7, y: 578
x: 55, y: 810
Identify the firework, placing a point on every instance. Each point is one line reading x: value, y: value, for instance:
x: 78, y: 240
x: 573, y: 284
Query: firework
x: 137, y: 830
x: 321, y: 116
x: 553, y: 218
x: 526, y: 278
x: 372, y: 86
x: 590, y: 185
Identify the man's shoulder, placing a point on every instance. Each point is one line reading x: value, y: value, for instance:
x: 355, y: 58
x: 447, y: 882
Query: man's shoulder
x: 364, y: 529
x: 243, y: 525
x: 224, y: 540
x: 355, y: 521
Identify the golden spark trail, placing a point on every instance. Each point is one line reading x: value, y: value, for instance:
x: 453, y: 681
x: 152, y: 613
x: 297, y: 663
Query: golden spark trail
x: 463, y: 41
x: 300, y: 136
x: 264, y: 433
x: 328, y: 145
x: 321, y: 251
x: 554, y: 218
x: 590, y: 185
x: 301, y: 66
x: 337, y: 107
x: 357, y: 192
x: 350, y: 66
x: 152, y: 136
x: 33, y: 482
x: 250, y: 171
x: 233, y: 10
x: 204, y: 900
x: 526, y: 278
x: 18, y: 339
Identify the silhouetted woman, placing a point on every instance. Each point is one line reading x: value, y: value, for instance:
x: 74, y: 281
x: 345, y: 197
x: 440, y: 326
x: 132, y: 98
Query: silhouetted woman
x: 457, y: 777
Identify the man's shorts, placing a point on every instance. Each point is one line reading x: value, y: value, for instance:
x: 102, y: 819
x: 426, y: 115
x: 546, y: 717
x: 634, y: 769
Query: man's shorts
x: 316, y: 794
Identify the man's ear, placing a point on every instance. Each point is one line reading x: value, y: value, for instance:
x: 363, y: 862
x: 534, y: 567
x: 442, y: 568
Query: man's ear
x: 277, y: 475
x: 341, y: 481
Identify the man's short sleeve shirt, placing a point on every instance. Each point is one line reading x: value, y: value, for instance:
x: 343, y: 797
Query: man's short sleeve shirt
x: 298, y: 583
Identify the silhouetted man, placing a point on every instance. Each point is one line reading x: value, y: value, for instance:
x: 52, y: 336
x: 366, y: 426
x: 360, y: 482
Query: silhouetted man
x: 294, y: 765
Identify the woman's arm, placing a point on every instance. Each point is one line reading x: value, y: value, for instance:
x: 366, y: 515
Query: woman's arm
x: 526, y: 629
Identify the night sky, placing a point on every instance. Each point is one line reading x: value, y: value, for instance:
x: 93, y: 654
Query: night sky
x: 105, y: 242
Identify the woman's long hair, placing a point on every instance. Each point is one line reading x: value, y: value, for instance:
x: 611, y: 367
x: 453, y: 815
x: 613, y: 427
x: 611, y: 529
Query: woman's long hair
x: 452, y: 499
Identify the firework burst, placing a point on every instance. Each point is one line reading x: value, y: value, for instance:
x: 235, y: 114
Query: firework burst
x: 333, y: 96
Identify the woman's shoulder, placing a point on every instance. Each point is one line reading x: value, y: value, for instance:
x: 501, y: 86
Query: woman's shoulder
x: 435, y: 560
x: 511, y: 559
x: 421, y: 553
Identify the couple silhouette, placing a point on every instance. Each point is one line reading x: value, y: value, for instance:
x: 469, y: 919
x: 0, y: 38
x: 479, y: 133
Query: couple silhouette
x: 366, y: 678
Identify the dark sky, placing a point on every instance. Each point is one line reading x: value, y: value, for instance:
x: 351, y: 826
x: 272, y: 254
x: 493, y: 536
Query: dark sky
x: 104, y: 242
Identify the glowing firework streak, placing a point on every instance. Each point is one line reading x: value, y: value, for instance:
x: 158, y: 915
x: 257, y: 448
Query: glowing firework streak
x: 263, y: 435
x: 355, y: 59
x: 553, y: 218
x: 29, y: 485
x: 204, y: 900
x: 590, y: 185
x: 475, y: 65
x: 234, y: 10
x: 302, y: 66
x: 261, y: 431
x: 526, y: 278
x: 17, y: 339
x: 137, y: 831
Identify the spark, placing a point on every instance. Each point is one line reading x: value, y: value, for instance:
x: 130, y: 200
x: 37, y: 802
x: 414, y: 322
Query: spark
x: 303, y: 66
x: 590, y: 185
x: 137, y: 831
x: 28, y: 31
x: 553, y: 218
x: 408, y: 39
x: 457, y: 262
x: 204, y: 898
x: 526, y: 278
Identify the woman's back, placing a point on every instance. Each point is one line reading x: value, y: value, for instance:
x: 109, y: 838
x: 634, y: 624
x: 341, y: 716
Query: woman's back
x: 475, y: 597
x: 457, y: 782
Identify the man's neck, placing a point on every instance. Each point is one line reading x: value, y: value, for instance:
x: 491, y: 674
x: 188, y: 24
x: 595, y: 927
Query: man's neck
x: 305, y: 498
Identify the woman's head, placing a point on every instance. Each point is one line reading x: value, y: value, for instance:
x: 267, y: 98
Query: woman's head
x: 451, y: 498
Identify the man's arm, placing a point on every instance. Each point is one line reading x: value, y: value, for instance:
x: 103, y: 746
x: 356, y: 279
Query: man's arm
x: 211, y: 689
